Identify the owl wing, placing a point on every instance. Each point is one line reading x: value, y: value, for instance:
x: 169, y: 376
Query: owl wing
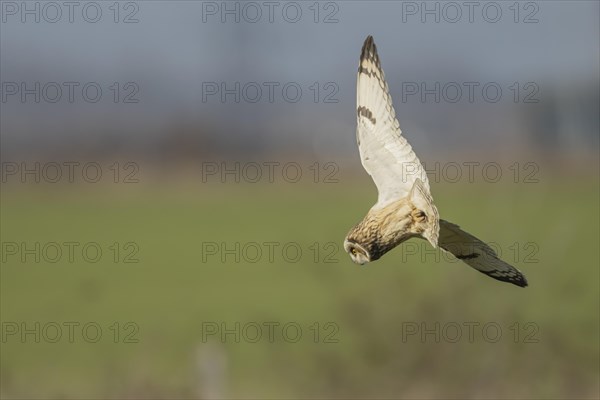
x: 385, y: 153
x: 477, y: 254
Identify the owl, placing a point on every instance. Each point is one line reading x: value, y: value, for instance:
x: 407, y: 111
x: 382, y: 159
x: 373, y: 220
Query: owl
x: 405, y: 207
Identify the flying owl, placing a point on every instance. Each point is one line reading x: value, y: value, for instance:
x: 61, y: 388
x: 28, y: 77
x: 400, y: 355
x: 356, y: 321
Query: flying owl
x: 404, y: 207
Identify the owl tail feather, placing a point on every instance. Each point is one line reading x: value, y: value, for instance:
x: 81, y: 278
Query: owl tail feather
x: 421, y: 199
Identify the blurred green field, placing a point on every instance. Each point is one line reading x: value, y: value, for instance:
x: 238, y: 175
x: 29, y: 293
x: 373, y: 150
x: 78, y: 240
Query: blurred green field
x: 171, y: 292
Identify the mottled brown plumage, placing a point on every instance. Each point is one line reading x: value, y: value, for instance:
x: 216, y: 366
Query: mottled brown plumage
x: 404, y: 207
x: 382, y: 230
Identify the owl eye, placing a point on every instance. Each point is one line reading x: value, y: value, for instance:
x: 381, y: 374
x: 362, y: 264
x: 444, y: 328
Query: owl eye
x: 353, y: 251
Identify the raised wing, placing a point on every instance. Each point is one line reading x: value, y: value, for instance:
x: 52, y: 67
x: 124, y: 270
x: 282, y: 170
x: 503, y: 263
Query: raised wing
x: 477, y: 254
x: 384, y: 152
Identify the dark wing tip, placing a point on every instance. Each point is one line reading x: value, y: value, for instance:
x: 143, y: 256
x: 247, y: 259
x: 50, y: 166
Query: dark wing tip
x: 518, y: 279
x: 369, y: 42
x: 369, y: 51
x: 522, y: 282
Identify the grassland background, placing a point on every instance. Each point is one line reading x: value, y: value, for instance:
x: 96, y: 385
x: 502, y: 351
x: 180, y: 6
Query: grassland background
x: 171, y: 292
x: 543, y: 55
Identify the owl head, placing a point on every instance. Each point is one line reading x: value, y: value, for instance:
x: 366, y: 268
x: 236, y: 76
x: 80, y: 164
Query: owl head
x: 358, y: 254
